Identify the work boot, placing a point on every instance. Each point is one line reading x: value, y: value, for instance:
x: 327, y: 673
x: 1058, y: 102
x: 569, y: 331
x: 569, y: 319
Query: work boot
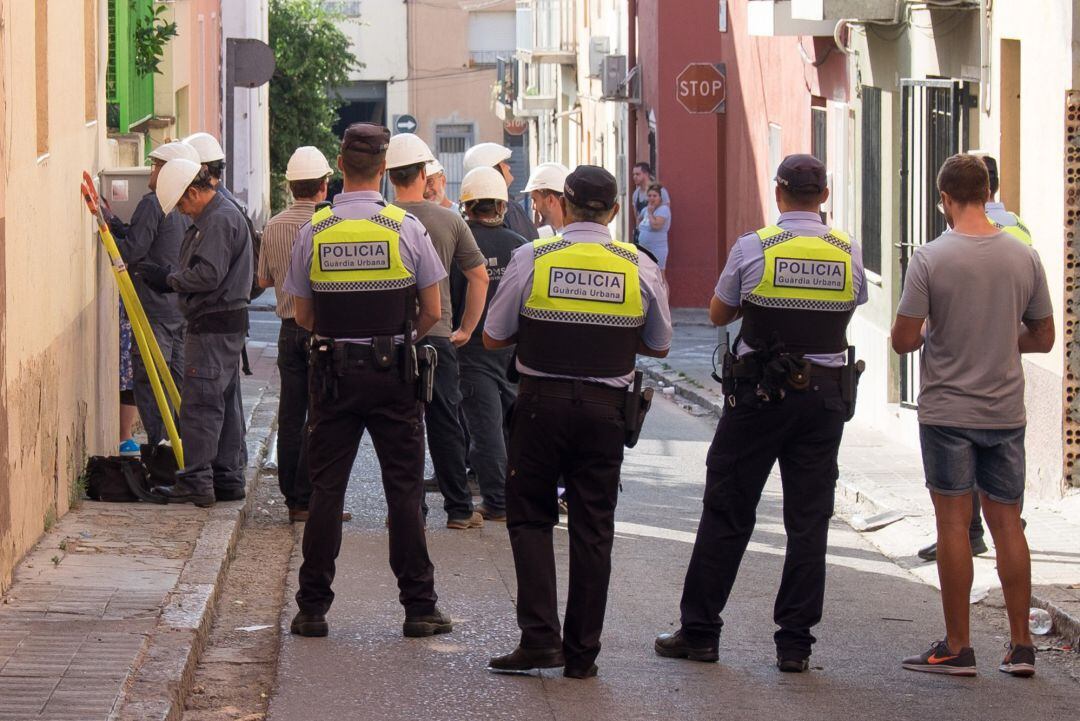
x: 429, y: 624
x: 676, y: 645
x: 491, y: 515
x: 181, y: 494
x: 792, y: 661
x: 312, y: 625
x: 229, y: 494
x: 474, y: 520
x: 523, y: 660
x: 581, y: 672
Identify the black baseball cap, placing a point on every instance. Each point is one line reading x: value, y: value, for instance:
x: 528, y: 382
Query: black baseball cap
x: 590, y: 186
x: 802, y: 174
x: 369, y: 138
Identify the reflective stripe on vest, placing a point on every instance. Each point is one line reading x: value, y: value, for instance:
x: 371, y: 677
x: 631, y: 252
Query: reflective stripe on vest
x: 805, y: 272
x: 584, y: 312
x: 358, y: 255
x: 590, y: 283
x: 1016, y: 229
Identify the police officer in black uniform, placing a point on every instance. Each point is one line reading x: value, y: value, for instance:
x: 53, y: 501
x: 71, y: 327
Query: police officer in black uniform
x: 790, y: 386
x: 365, y: 278
x: 580, y: 307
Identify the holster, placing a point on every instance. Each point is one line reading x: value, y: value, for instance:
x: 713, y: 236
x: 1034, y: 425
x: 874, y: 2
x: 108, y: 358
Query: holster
x: 322, y: 363
x: 637, y: 407
x: 849, y: 382
x: 425, y: 360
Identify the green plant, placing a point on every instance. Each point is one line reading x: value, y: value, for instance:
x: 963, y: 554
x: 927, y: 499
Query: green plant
x: 151, y: 33
x: 77, y: 488
x: 50, y: 518
x: 56, y: 560
x: 313, y: 59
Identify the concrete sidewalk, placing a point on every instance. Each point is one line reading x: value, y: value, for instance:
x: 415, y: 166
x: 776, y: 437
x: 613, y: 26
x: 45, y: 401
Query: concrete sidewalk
x: 880, y: 475
x: 107, y: 614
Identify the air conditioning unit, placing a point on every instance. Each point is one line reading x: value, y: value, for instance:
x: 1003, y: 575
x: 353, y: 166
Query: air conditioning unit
x: 613, y: 77
x: 599, y: 47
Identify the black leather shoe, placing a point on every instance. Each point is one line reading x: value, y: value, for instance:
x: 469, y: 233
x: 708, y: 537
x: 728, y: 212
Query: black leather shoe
x: 589, y: 671
x: 792, y: 662
x: 229, y: 494
x: 978, y: 547
x: 428, y: 625
x: 675, y: 645
x: 523, y: 660
x: 177, y: 494
x: 313, y: 625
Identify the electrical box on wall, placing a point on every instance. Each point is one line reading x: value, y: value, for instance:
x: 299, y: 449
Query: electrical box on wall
x: 123, y: 188
x: 599, y: 47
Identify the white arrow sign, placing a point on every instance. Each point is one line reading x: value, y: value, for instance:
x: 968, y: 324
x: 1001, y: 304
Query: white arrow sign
x: 406, y: 124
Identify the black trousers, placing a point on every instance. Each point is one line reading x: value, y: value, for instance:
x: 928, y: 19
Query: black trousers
x: 361, y: 397
x: 292, y: 362
x: 803, y: 432
x: 446, y: 437
x: 582, y: 442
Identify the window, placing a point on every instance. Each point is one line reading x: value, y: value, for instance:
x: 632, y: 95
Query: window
x: 90, y: 58
x: 819, y: 134
x: 41, y: 60
x: 870, y: 231
x: 491, y: 36
x: 348, y: 8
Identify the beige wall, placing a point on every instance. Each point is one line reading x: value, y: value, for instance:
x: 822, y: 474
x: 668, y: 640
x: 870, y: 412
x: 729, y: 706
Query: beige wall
x: 188, y: 87
x: 58, y: 339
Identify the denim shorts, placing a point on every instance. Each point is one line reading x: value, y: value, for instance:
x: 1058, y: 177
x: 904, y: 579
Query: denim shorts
x: 957, y: 460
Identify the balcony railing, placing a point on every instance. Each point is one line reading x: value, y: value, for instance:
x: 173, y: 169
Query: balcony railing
x: 488, y: 58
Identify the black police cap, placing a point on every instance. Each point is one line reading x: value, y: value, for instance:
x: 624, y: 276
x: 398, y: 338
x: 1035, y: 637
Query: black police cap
x: 590, y: 186
x: 802, y: 174
x: 369, y: 138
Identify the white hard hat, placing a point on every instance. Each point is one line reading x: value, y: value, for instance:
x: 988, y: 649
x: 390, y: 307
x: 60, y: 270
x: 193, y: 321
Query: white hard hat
x: 173, y: 181
x: 307, y: 163
x: 407, y: 149
x: 174, y: 150
x: 482, y: 184
x: 434, y: 168
x: 486, y: 155
x: 208, y: 147
x: 547, y: 176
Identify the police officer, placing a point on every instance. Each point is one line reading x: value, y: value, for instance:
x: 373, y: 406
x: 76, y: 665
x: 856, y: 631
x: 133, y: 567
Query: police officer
x: 212, y: 280
x: 796, y: 285
x: 356, y: 275
x: 1000, y: 217
x: 155, y: 236
x: 493, y: 155
x: 487, y: 392
x: 580, y: 306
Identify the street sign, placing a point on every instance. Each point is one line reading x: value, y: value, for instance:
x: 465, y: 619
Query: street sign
x: 252, y: 62
x: 516, y: 127
x: 405, y: 124
x: 702, y: 88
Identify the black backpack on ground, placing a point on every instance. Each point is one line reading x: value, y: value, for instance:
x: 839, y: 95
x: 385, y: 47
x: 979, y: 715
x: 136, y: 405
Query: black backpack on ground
x: 118, y: 479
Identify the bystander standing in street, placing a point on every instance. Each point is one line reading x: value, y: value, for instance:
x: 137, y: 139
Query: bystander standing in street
x: 643, y: 177
x: 406, y: 160
x: 974, y: 300
x: 654, y: 225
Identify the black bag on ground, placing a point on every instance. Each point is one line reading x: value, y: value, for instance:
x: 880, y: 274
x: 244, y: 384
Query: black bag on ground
x: 118, y: 479
x: 160, y: 464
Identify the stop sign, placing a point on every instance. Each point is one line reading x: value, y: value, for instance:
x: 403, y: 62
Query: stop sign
x: 702, y: 87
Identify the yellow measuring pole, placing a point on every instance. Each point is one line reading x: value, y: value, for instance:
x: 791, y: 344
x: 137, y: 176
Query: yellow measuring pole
x: 158, y: 369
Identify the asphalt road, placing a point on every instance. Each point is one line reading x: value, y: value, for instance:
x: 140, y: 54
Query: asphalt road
x: 876, y: 613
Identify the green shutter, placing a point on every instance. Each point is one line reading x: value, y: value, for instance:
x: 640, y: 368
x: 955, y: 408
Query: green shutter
x: 130, y: 95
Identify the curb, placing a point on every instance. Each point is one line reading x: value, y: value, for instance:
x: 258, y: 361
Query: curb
x: 848, y: 487
x: 160, y: 680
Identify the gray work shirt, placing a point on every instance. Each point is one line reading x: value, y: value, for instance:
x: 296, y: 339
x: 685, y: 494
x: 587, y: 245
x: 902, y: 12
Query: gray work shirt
x: 515, y: 288
x: 974, y: 292
x: 746, y: 266
x: 518, y: 220
x: 154, y: 237
x: 215, y: 262
x: 417, y: 252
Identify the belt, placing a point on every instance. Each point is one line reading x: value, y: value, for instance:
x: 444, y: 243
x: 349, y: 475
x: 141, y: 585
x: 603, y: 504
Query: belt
x: 223, y: 321
x: 574, y: 390
x: 749, y: 369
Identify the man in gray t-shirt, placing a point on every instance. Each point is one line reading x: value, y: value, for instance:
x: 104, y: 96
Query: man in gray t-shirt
x: 974, y: 299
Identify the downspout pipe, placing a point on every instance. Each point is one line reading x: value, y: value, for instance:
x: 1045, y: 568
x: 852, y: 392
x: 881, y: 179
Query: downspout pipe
x: 632, y: 111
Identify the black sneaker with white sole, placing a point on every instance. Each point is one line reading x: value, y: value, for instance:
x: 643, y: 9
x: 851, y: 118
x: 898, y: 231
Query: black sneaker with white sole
x: 939, y: 659
x: 1019, y: 661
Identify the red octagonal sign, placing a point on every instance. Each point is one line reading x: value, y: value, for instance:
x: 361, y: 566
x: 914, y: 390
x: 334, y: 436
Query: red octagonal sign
x: 702, y: 87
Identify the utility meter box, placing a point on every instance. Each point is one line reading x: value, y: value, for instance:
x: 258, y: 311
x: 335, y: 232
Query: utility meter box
x: 122, y: 188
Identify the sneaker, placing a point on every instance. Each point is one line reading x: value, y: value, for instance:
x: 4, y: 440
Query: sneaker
x: 939, y: 659
x: 489, y: 515
x: 1019, y: 661
x: 428, y: 625
x: 461, y: 524
x: 978, y: 547
x: 676, y: 645
x: 129, y: 448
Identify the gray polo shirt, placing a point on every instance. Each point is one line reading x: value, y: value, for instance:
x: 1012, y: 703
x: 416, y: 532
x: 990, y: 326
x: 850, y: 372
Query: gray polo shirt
x: 215, y: 262
x: 505, y: 308
x: 974, y: 292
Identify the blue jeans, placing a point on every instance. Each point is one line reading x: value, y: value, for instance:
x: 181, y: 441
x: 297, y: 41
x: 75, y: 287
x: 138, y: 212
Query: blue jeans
x: 959, y: 460
x: 446, y: 437
x: 487, y: 396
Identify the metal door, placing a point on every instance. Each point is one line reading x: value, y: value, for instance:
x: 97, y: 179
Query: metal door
x: 934, y: 126
x: 451, y: 142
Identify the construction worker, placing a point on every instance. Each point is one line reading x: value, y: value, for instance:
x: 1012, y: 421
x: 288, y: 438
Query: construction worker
x: 545, y: 189
x: 493, y: 155
x: 365, y: 280
x: 580, y: 306
x: 155, y: 236
x: 406, y: 163
x: 307, y: 174
x: 1000, y: 217
x: 789, y: 389
x: 212, y: 281
x: 487, y: 392
x: 435, y: 191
